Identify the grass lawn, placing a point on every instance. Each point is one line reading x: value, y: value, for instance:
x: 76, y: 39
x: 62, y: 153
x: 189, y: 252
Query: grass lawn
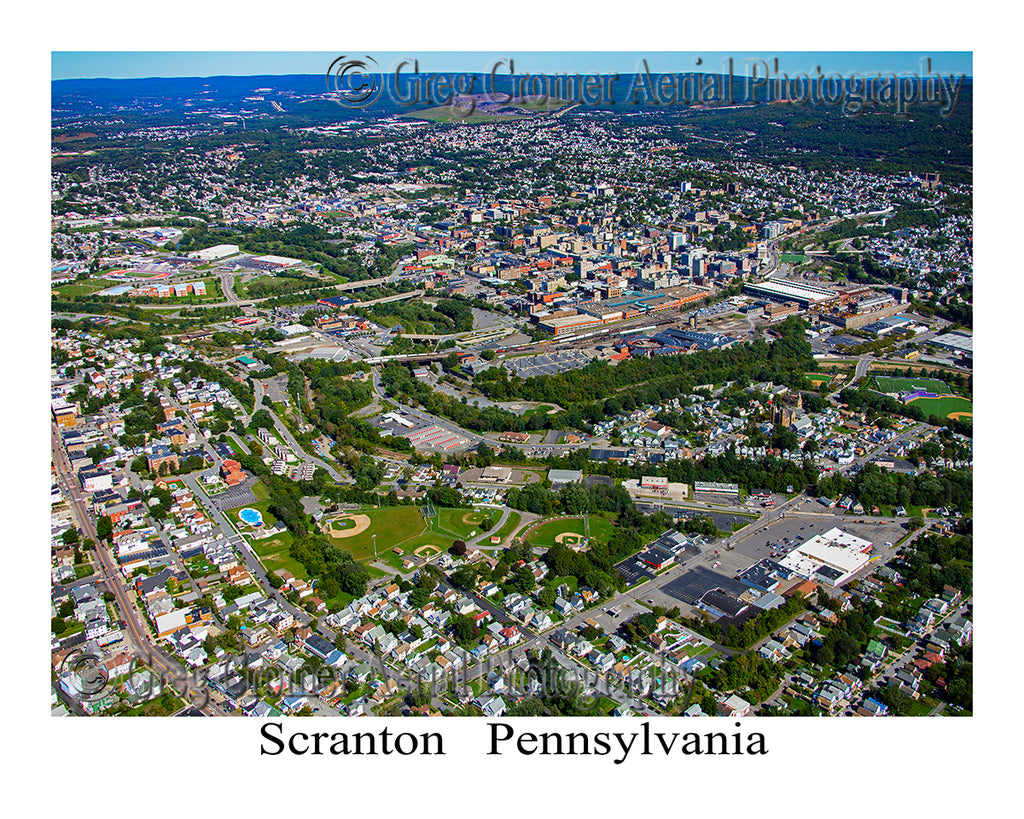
x: 339, y: 602
x: 888, y: 383
x: 441, y: 541
x: 71, y: 627
x: 272, y: 545
x: 545, y: 534
x: 83, y: 570
x: 393, y: 560
x: 509, y: 526
x: 273, y: 551
x: 340, y: 525
x: 272, y: 286
x: 543, y: 409
x: 571, y: 582
x: 86, y: 287
x: 283, y: 560
x: 922, y: 707
x: 161, y: 706
x: 199, y: 567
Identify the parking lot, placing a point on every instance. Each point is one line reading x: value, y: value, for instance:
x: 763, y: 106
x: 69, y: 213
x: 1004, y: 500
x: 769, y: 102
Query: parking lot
x: 236, y: 496
x: 690, y: 586
x: 782, y: 535
x: 633, y: 571
x: 549, y: 364
x: 277, y: 388
x: 611, y: 619
x: 722, y: 520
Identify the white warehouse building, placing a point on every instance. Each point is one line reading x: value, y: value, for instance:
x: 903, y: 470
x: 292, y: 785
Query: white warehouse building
x: 209, y: 254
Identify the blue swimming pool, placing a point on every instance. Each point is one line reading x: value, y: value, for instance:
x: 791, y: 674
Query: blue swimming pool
x: 251, y: 517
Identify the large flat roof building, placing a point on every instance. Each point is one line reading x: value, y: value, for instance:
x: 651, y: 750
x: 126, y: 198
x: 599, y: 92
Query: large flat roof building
x: 569, y: 324
x: 559, y: 477
x: 831, y: 558
x: 958, y: 342
x: 212, y: 253
x: 783, y: 290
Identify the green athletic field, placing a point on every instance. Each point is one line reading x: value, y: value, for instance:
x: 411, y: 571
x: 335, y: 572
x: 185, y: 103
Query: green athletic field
x: 545, y: 534
x: 392, y: 525
x: 944, y: 406
x: 894, y: 384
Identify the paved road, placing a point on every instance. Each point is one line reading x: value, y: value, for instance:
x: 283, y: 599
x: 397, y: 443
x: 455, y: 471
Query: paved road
x: 190, y: 425
x: 862, y: 368
x: 227, y: 287
x: 137, y: 632
x: 284, y: 432
x: 895, y: 662
x: 258, y: 572
x: 505, y: 512
x: 474, y: 440
x: 537, y: 640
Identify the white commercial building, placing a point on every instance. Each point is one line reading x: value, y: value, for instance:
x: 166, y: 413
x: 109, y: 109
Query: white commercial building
x: 216, y: 252
x: 831, y: 558
x: 278, y: 261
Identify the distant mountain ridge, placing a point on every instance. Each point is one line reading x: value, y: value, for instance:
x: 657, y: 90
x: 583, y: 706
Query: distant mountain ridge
x: 622, y: 92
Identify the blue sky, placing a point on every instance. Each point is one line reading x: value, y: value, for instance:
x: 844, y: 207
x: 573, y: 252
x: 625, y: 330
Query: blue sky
x: 66, y: 65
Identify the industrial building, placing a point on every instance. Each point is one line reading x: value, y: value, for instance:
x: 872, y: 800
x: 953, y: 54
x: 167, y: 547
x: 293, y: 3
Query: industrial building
x: 883, y: 327
x: 865, y: 312
x: 957, y: 342
x: 564, y: 325
x: 496, y: 474
x: 622, y: 308
x: 805, y: 295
